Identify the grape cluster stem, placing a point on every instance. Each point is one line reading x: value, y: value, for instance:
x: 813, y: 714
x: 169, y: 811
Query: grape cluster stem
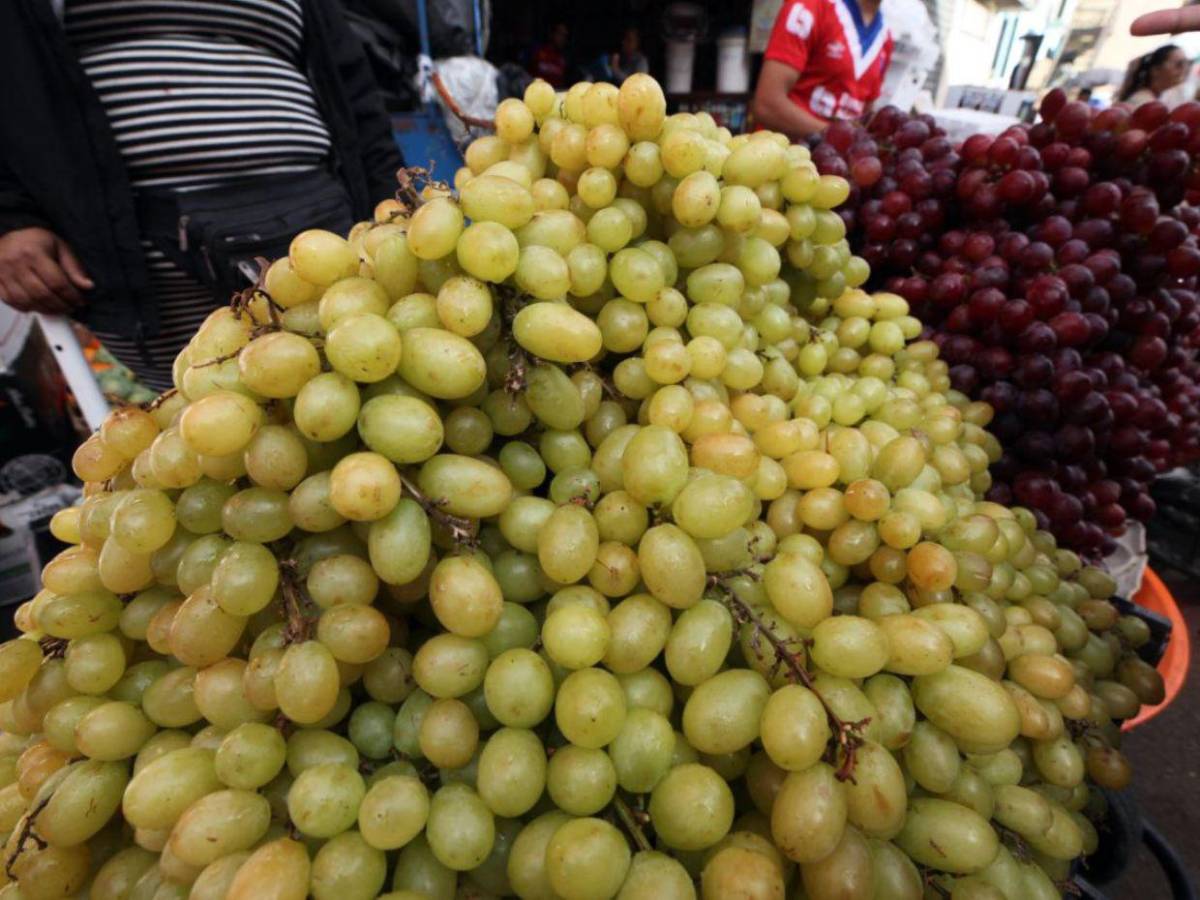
x: 847, y: 736
x: 158, y: 401
x: 927, y: 876
x: 298, y: 627
x: 26, y: 835
x: 633, y: 824
x: 407, y: 194
x: 1015, y: 843
x: 460, y: 528
x: 53, y: 648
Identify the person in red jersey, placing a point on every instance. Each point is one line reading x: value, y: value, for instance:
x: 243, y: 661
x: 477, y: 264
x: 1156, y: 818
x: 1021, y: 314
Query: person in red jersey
x: 549, y: 61
x: 825, y: 60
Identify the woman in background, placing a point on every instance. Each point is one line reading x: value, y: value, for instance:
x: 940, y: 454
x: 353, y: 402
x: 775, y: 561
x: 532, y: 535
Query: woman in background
x: 1150, y: 76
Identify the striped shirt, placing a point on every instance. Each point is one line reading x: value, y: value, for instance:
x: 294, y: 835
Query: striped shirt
x: 197, y: 92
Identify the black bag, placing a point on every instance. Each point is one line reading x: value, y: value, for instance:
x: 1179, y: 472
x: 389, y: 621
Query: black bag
x: 216, y: 233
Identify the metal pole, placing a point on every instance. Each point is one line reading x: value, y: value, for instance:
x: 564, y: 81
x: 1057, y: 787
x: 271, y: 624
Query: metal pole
x: 478, y: 27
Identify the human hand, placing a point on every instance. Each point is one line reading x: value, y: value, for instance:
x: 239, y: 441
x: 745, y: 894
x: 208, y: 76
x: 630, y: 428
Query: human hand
x: 1167, y: 21
x: 39, y: 273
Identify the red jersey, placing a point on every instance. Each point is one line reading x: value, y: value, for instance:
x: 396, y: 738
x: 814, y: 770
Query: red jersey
x: 841, y: 60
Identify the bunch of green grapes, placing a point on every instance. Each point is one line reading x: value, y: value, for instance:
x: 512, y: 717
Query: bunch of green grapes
x: 581, y: 532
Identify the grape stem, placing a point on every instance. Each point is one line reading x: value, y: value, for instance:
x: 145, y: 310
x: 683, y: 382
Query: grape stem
x: 936, y: 887
x: 1015, y: 843
x: 158, y: 401
x: 407, y: 194
x: 53, y: 648
x: 512, y: 302
x: 633, y: 824
x: 847, y: 736
x: 27, y: 834
x: 461, y: 529
x: 298, y: 627
x: 515, y: 379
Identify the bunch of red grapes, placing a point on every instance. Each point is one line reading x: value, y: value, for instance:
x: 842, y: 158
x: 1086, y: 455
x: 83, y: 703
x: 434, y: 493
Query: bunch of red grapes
x: 1057, y: 267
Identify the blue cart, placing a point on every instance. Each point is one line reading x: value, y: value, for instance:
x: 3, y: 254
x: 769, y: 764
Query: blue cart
x: 422, y: 135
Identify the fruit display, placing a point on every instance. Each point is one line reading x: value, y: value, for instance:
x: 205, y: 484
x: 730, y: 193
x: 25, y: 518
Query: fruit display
x: 584, y: 531
x: 1056, y: 266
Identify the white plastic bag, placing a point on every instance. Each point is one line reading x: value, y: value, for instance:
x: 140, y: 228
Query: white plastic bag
x: 471, y: 81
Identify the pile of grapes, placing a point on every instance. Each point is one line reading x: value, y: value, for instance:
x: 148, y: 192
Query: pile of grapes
x: 582, y: 534
x: 1057, y: 266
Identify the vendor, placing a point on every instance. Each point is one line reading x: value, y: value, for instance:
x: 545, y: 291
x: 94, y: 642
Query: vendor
x: 121, y: 101
x: 826, y: 60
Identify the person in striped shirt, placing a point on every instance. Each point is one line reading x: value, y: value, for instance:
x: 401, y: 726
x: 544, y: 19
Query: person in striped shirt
x: 122, y: 97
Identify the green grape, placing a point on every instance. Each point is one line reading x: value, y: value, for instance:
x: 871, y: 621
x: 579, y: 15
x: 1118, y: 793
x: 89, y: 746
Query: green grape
x: 798, y: 590
x: 722, y: 714
x: 581, y: 780
x: 95, y: 663
x: 468, y: 431
x: 491, y: 198
x: 642, y: 750
x: 519, y: 688
x: 567, y: 544
x: 512, y: 772
x: 118, y: 875
x: 143, y: 521
x: 586, y: 859
x: 489, y: 251
x: 465, y: 486
x: 526, y: 868
x: 306, y: 682
x: 465, y: 596
x: 245, y: 579
x: 450, y: 666
x: 656, y: 876
x: 370, y: 729
x: 393, y: 812
x: 81, y: 803
x: 691, y: 808
x: 249, y: 756
x: 79, y: 615
x: 590, y: 708
x: 711, y: 506
x: 323, y: 800
x: 162, y: 791
x: 966, y: 842
x: 671, y: 566
x: 639, y: 628
x: 198, y: 508
x: 217, y: 824
x: 280, y: 868
x: 576, y: 636
x: 60, y: 720
x: 448, y: 734
x: 460, y: 828
x: 348, y: 868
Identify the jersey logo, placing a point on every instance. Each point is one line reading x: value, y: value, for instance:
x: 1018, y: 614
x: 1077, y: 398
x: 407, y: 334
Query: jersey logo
x: 836, y: 50
x: 862, y: 57
x: 800, y: 21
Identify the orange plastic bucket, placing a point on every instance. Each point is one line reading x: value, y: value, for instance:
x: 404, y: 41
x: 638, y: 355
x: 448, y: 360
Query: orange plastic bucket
x: 1174, y: 665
